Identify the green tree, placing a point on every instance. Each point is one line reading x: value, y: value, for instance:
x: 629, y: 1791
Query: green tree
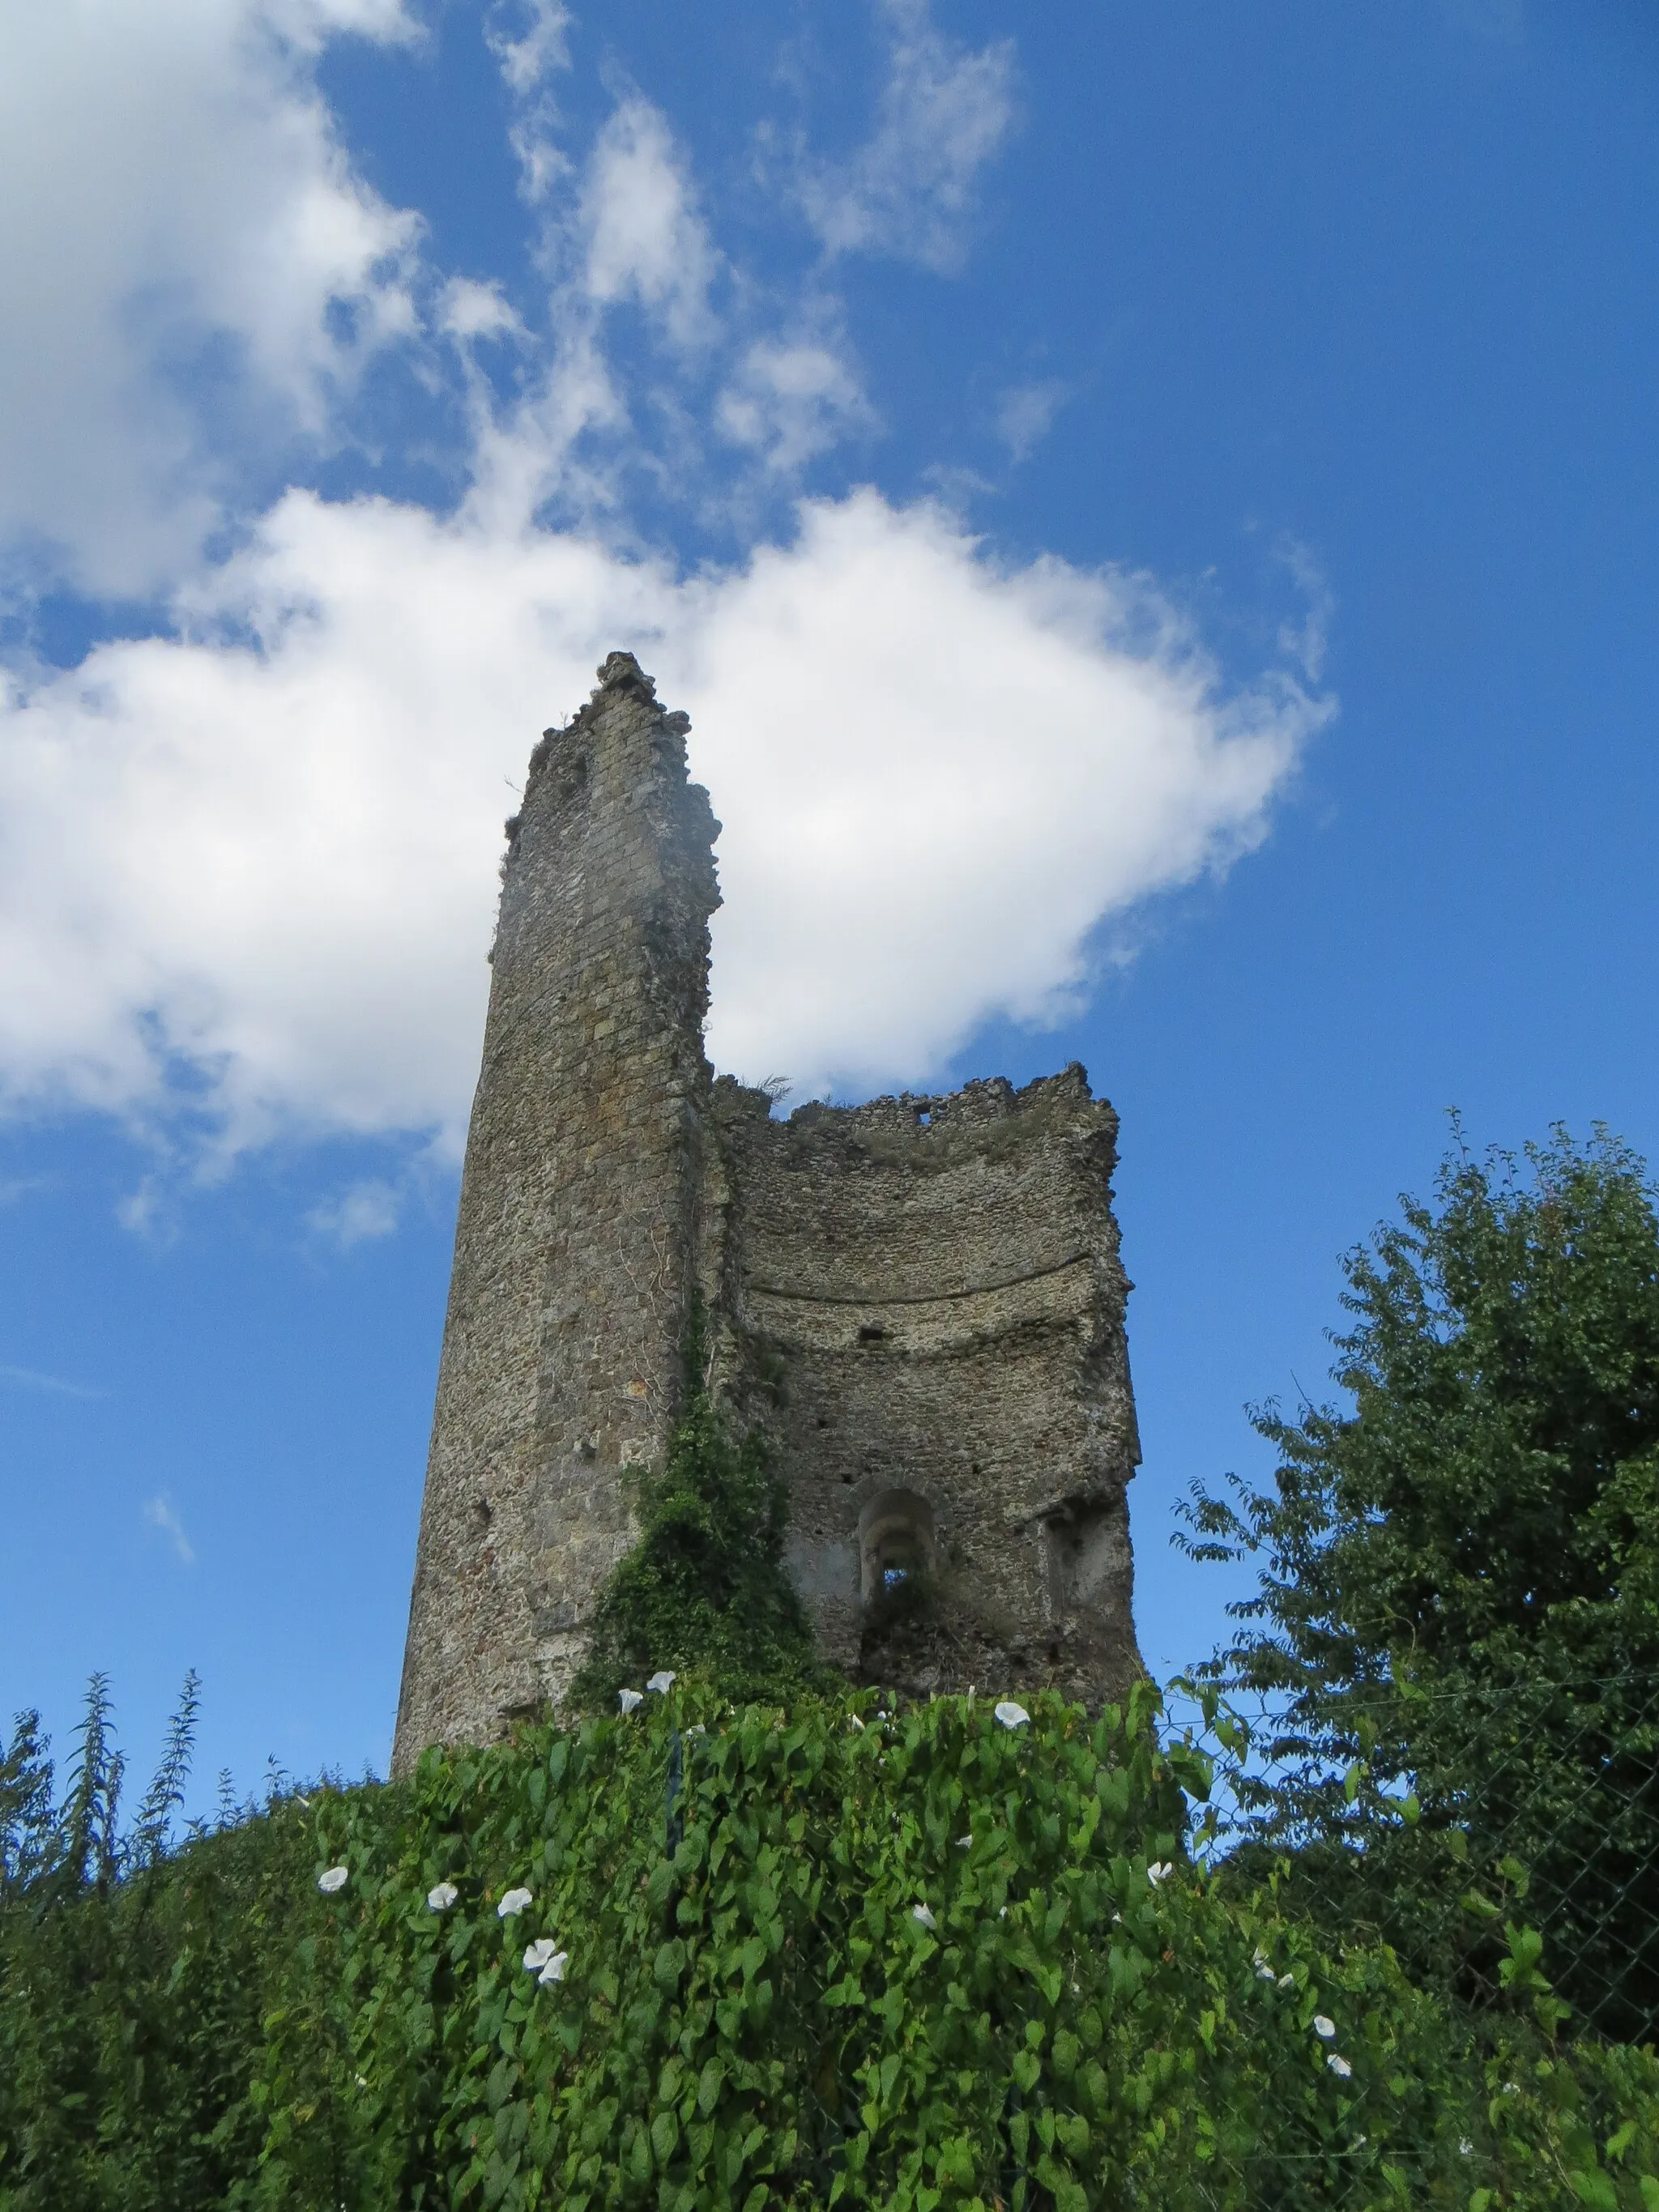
x: 1458, y: 1591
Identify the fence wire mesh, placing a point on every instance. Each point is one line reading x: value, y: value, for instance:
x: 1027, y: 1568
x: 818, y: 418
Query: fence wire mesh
x: 1496, y: 1838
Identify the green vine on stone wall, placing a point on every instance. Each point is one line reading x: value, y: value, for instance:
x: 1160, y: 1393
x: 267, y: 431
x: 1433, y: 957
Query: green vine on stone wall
x: 705, y: 1589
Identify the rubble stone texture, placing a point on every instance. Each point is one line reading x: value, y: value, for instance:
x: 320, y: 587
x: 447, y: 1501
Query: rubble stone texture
x: 921, y: 1297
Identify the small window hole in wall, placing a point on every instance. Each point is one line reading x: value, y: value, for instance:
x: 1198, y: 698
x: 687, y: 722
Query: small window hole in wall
x: 924, y: 1117
x: 1081, y: 1546
x: 896, y: 1543
x: 871, y: 1332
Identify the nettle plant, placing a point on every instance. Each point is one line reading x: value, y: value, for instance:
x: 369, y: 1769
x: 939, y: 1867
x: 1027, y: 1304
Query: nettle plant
x: 692, y: 1955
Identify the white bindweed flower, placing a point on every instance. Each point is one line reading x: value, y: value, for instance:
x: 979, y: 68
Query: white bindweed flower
x: 965, y: 1843
x: 441, y: 1896
x: 1287, y: 1981
x: 629, y: 1699
x: 537, y: 1954
x: 662, y: 1680
x: 856, y: 1721
x: 1160, y: 1870
x: 697, y: 1729
x: 1339, y: 2064
x: 1323, y: 2027
x: 921, y: 1913
x: 1464, y: 2147
x: 1263, y: 1970
x: 514, y: 1902
x: 1002, y: 1912
x: 1011, y: 1714
x: 333, y: 1880
x: 554, y: 1970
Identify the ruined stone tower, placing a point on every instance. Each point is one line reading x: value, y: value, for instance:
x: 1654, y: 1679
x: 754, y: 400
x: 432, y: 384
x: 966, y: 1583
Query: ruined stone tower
x: 934, y: 1283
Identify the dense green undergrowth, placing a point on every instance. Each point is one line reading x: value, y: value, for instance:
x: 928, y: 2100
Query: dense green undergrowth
x: 814, y: 1955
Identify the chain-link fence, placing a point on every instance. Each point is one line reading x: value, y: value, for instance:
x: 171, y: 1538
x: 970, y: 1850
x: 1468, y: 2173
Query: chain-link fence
x: 1495, y: 1839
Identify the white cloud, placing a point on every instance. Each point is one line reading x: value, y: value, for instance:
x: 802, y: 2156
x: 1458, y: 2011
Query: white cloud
x: 160, y: 1513
x: 262, y: 853
x: 173, y: 191
x: 1026, y: 412
x: 472, y: 310
x: 368, y: 1210
x: 944, y: 112
x: 541, y: 51
x: 790, y: 400
x: 940, y: 780
x: 646, y: 239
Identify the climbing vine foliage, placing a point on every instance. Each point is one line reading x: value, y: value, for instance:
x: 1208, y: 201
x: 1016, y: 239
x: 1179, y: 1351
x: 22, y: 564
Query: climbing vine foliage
x: 705, y: 1585
x: 696, y: 1956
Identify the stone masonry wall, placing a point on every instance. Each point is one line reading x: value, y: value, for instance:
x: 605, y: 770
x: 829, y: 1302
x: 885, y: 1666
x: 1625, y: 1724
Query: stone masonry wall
x: 560, y: 1362
x: 921, y: 1297
x: 936, y: 1284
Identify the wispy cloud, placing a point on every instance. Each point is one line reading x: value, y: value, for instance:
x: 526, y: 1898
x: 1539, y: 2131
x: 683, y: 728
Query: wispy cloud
x: 160, y: 1513
x: 1026, y: 412
x: 368, y: 1210
x: 944, y: 112
x: 30, y: 1378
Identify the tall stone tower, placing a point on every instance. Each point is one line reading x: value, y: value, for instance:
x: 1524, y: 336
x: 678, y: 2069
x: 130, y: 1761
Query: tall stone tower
x: 930, y: 1288
x: 573, y: 1246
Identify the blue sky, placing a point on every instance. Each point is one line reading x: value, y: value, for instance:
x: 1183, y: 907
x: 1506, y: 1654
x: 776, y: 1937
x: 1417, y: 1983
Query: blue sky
x: 1151, y: 512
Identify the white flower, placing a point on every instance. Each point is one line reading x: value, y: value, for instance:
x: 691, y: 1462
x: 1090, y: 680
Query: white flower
x: 1265, y: 1972
x: 333, y: 1880
x: 1339, y: 2064
x: 442, y: 1896
x: 856, y: 1721
x: 554, y: 1970
x: 1002, y: 1912
x: 921, y: 1913
x: 514, y: 1902
x: 697, y: 1729
x: 537, y: 1954
x: 1323, y: 2028
x: 629, y: 1699
x: 965, y: 1843
x: 1286, y: 1981
x: 1464, y: 2147
x: 1160, y: 1870
x: 1011, y: 1714
x: 662, y: 1680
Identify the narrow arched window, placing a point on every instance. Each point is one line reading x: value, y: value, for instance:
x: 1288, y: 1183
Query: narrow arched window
x: 896, y: 1543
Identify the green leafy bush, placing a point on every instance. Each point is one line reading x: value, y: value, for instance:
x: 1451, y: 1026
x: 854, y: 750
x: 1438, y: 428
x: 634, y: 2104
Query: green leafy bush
x: 704, y: 1584
x: 812, y: 1954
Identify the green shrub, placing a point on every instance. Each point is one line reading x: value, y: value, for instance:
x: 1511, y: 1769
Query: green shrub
x: 752, y: 2012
